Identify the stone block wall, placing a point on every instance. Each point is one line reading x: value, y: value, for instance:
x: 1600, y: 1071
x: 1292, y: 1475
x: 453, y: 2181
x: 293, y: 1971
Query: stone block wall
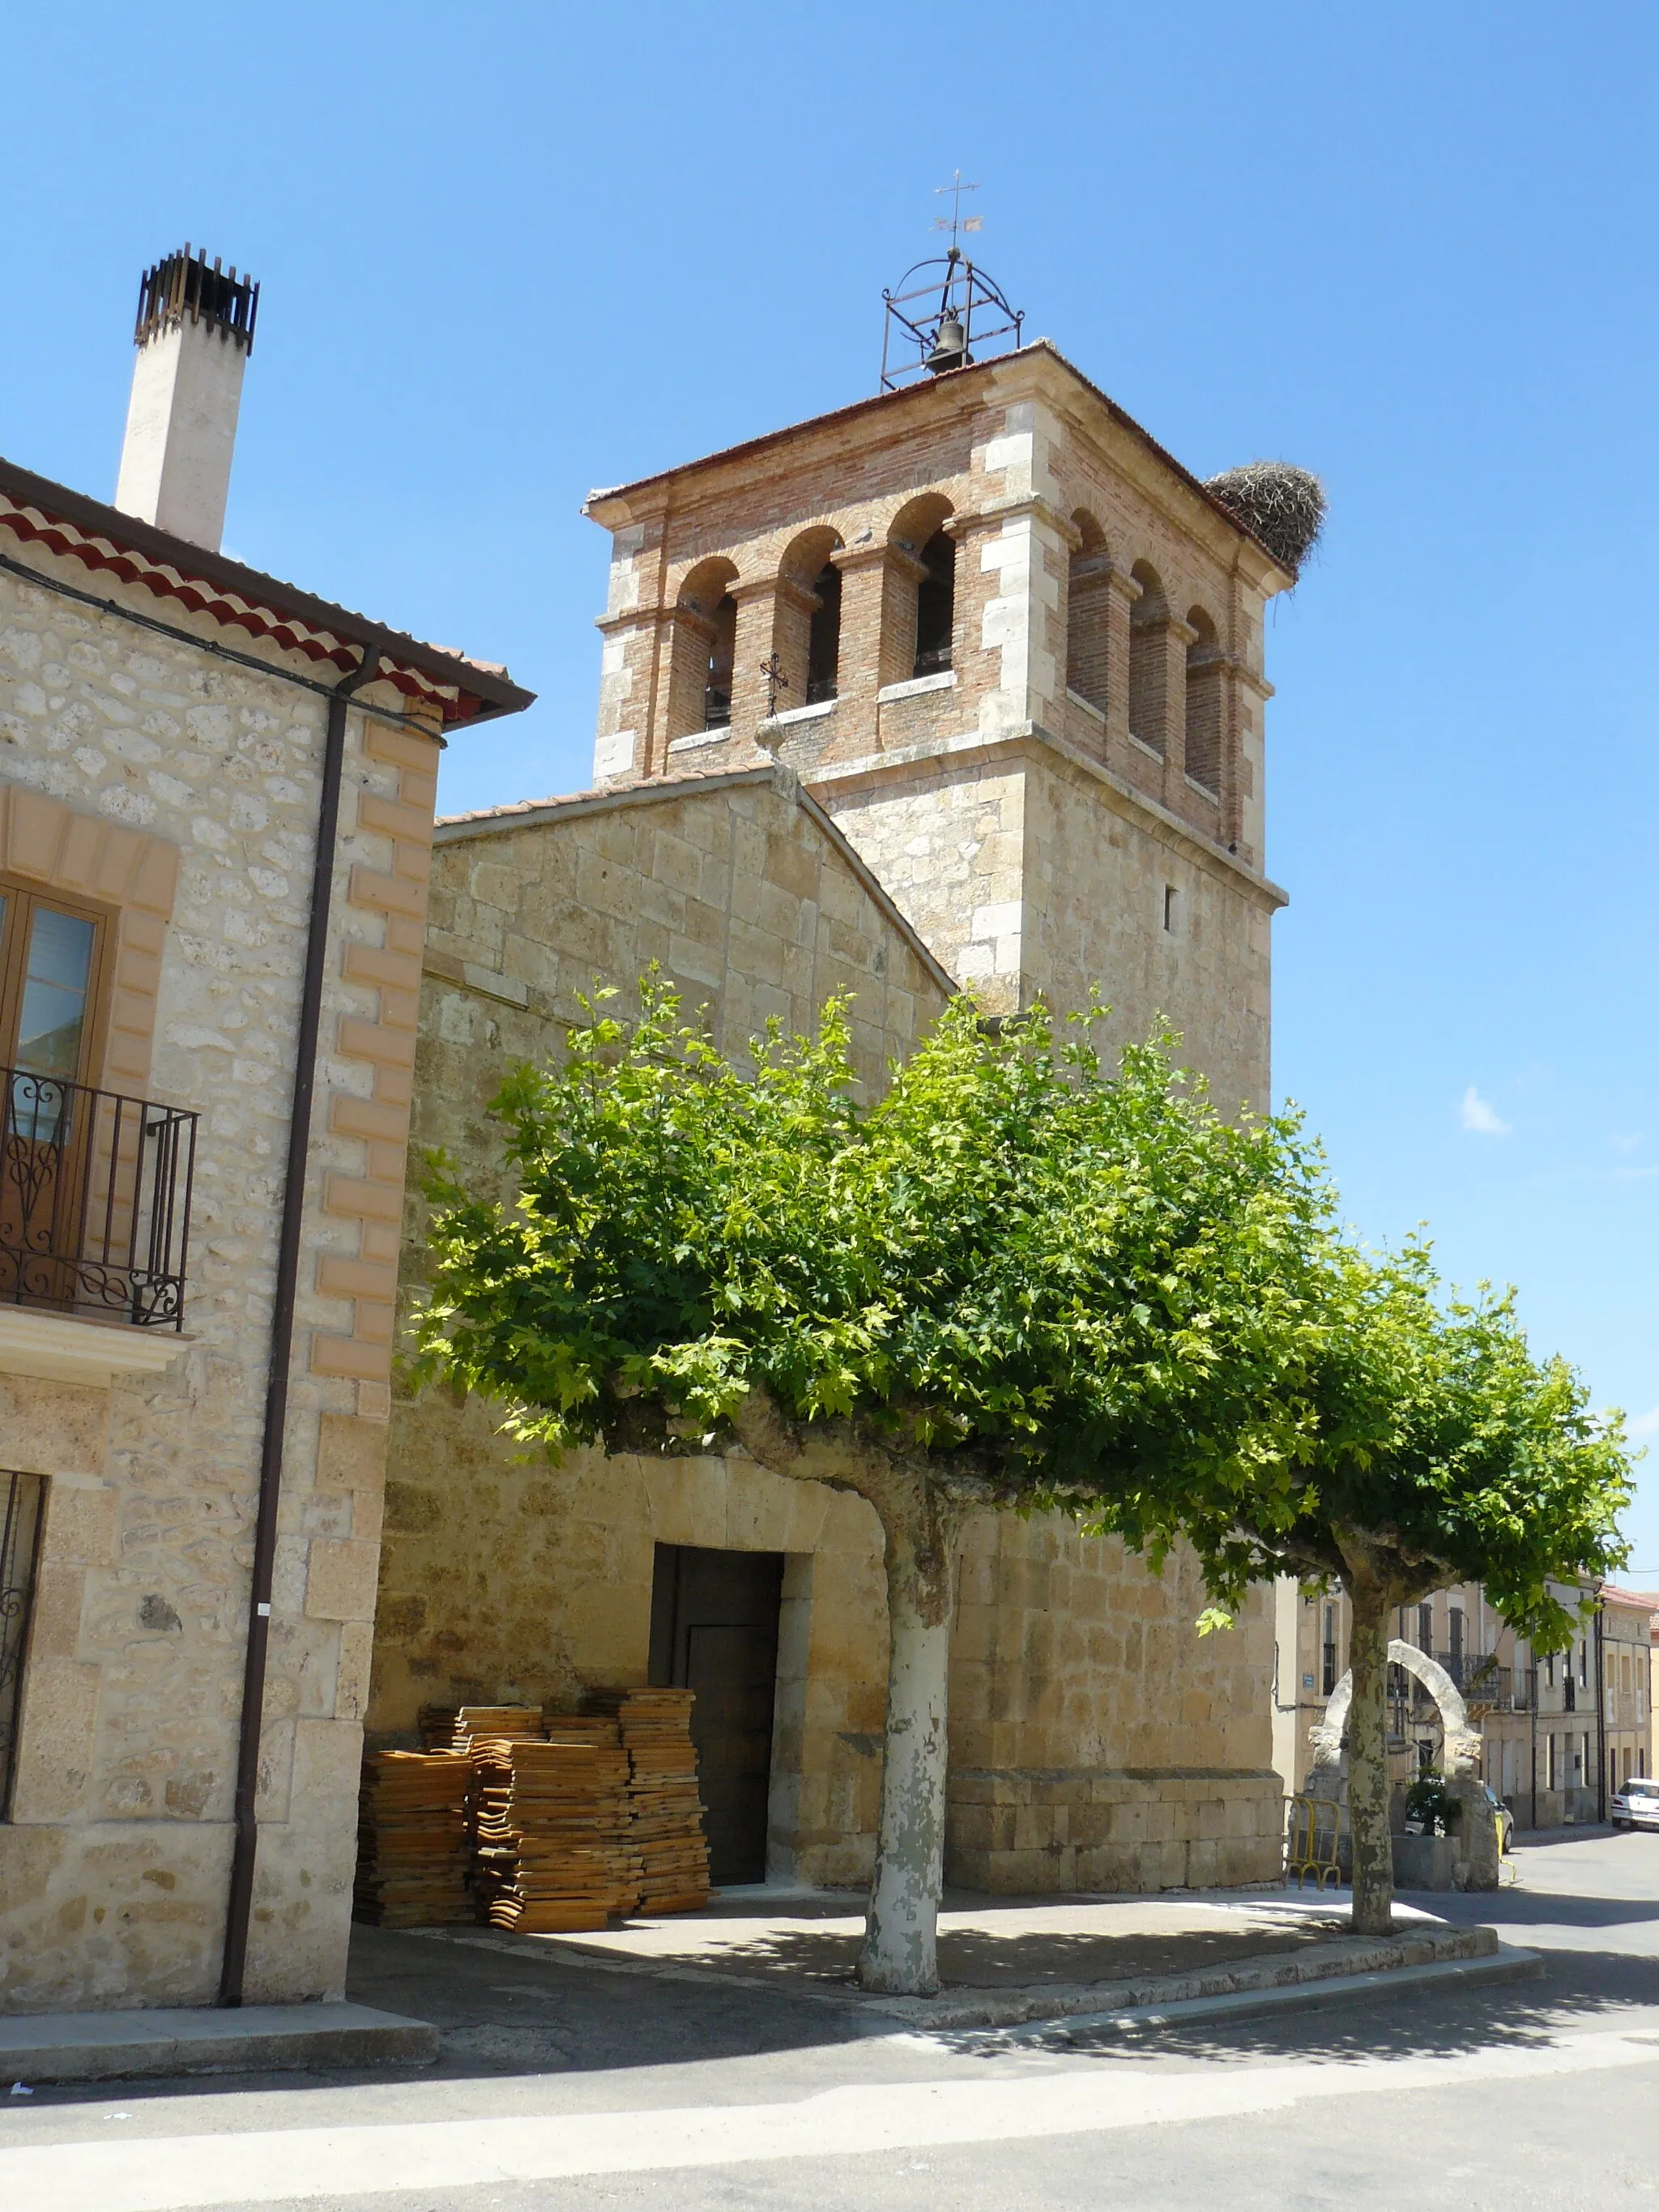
x: 1098, y: 1741
x: 180, y: 793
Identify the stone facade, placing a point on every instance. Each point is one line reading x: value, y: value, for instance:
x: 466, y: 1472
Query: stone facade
x: 502, y: 1579
x: 173, y: 788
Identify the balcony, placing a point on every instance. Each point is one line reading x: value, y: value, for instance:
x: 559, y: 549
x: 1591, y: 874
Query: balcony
x: 1478, y: 1676
x: 95, y: 1227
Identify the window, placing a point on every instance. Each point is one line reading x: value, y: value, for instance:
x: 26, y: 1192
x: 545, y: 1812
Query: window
x: 935, y: 605
x: 22, y: 1515
x: 1583, y: 1663
x: 1149, y: 623
x: 1425, y: 1628
x: 1170, y: 895
x: 722, y: 658
x: 50, y: 955
x: 1330, y: 1649
x: 1550, y: 1761
x: 702, y: 651
x: 1088, y: 615
x: 1205, y: 666
x: 823, y: 636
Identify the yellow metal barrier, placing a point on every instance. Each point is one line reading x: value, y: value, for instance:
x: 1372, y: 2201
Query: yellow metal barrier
x: 1312, y: 1841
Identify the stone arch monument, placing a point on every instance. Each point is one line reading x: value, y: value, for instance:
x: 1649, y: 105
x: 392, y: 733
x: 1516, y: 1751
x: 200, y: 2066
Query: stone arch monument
x: 1473, y: 1850
x: 1463, y: 1743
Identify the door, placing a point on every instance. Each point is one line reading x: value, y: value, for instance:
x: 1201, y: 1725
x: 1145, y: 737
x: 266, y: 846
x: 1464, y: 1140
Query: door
x: 715, y: 1630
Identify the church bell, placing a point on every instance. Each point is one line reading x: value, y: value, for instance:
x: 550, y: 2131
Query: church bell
x: 950, y: 344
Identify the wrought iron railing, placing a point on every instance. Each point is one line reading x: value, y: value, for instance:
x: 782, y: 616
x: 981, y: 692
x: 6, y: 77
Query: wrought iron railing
x: 1478, y: 1675
x: 22, y: 1500
x: 95, y: 1200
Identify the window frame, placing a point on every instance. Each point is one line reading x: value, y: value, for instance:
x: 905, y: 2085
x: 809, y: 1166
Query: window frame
x: 21, y: 899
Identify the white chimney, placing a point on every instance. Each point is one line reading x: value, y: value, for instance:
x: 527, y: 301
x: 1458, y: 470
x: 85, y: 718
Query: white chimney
x: 194, y: 334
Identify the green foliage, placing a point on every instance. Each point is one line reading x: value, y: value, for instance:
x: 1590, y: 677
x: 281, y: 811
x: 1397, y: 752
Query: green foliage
x: 1079, y: 1278
x: 1071, y: 1273
x: 1432, y: 1444
x: 1430, y: 1802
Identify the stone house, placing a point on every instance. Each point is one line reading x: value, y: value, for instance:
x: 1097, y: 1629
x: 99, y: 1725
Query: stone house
x: 961, y: 684
x: 217, y: 796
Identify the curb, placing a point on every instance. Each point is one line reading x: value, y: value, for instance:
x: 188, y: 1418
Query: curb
x: 107, y: 2047
x: 1510, y: 1965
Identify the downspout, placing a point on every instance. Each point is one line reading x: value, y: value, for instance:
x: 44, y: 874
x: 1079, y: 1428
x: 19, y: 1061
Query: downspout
x: 1601, y: 1714
x: 238, y: 1911
x: 1532, y: 1655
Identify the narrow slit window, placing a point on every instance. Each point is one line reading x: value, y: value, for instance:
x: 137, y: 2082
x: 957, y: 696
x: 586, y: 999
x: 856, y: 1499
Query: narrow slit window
x: 1170, y: 895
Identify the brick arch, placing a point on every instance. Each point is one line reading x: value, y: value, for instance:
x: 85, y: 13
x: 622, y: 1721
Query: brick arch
x: 918, y: 520
x: 133, y: 877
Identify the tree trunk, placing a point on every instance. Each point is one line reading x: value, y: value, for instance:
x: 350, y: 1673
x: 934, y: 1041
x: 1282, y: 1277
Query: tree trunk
x: 920, y: 1525
x: 1368, y: 1758
x: 900, y: 1955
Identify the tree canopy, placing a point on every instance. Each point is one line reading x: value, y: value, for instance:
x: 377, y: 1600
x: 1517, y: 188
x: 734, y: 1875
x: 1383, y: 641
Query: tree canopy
x: 1022, y: 1276
x: 1047, y: 1268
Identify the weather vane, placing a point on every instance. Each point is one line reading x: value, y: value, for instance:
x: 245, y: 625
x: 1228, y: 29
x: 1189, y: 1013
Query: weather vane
x: 956, y: 221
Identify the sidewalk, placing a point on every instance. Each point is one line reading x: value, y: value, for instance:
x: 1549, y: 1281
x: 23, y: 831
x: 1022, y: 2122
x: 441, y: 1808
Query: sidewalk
x: 771, y: 1964
x: 1005, y: 1961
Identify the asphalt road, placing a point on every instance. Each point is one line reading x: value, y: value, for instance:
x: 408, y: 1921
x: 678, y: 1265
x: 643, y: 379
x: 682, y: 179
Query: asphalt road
x: 564, y: 2088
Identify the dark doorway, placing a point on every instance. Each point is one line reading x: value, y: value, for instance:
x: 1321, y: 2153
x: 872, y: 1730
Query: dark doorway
x: 715, y: 1630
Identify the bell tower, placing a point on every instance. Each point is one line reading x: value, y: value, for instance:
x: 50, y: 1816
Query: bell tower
x: 1008, y: 641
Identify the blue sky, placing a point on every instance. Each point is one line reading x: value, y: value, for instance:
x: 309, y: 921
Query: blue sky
x: 512, y: 251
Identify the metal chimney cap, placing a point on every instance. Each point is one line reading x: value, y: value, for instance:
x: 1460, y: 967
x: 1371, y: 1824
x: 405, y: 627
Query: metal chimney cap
x: 180, y: 285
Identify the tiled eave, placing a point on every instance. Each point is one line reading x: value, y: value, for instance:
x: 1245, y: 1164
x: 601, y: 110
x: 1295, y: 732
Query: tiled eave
x: 100, y: 539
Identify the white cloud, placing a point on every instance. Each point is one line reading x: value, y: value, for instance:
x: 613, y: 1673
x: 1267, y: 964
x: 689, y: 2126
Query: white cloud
x: 1644, y: 1427
x: 1475, y: 1114
x: 1622, y: 1142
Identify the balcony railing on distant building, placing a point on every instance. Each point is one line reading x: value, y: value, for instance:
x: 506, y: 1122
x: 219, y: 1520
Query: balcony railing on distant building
x: 94, y: 1202
x: 1478, y: 1675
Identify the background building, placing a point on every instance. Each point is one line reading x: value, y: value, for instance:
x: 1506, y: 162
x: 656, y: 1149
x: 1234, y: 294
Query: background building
x: 1558, y: 1734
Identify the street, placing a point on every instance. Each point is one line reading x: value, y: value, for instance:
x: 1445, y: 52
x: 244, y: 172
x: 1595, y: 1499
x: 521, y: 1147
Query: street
x: 564, y: 2085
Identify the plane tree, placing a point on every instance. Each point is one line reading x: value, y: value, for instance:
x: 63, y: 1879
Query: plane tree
x: 1021, y: 1278
x: 1430, y: 1448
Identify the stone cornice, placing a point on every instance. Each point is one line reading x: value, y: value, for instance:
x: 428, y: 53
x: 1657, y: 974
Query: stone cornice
x: 998, y: 511
x: 1032, y: 740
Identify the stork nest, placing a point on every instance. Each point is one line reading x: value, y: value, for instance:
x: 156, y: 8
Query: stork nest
x: 1283, y: 506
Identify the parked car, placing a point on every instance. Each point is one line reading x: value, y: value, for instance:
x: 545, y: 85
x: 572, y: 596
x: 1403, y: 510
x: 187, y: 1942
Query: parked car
x: 1503, y: 1817
x: 1636, y: 1805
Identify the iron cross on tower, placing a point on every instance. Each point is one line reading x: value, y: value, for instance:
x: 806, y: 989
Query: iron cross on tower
x: 956, y: 221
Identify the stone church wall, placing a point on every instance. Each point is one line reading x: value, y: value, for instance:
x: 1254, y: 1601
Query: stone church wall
x: 1095, y: 1742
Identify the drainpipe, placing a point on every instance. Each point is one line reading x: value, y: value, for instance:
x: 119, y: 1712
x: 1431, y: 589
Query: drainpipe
x: 1600, y: 1715
x: 239, y: 1908
x: 1532, y: 1655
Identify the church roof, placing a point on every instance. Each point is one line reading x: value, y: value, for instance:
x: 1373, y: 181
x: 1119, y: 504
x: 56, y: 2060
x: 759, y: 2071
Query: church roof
x: 697, y: 783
